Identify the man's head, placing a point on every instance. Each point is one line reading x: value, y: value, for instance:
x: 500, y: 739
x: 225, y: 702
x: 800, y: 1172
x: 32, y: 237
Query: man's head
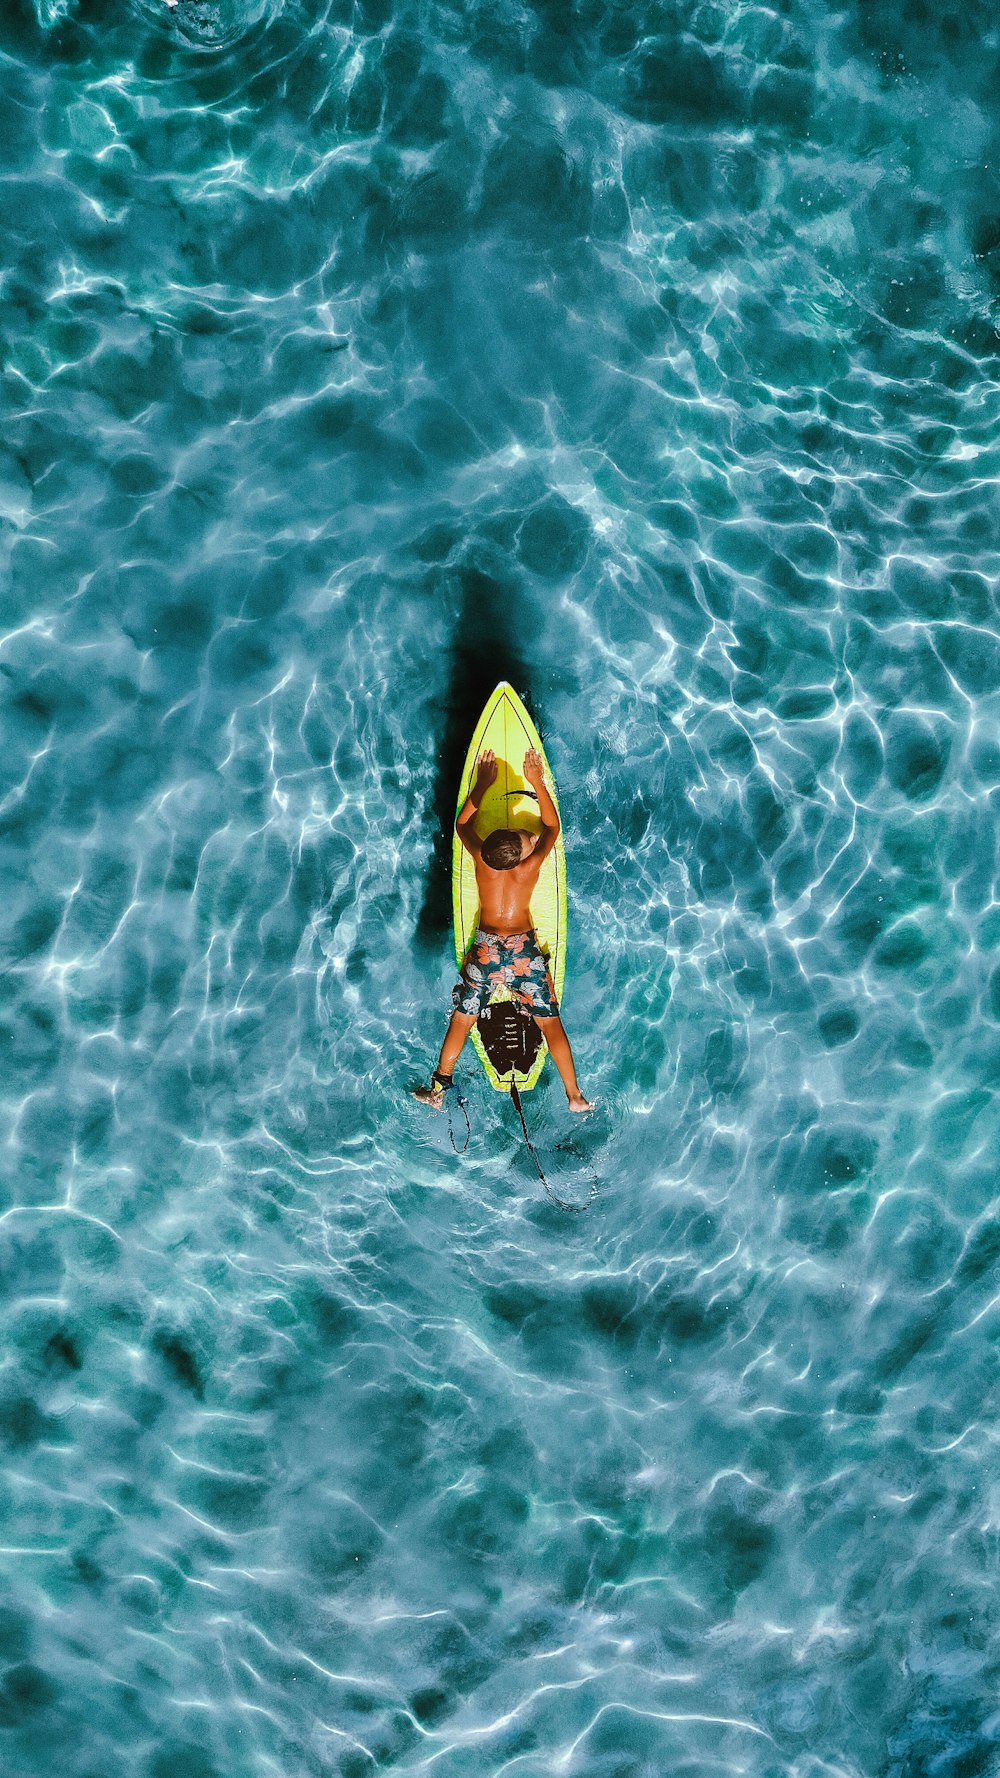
x: 502, y: 849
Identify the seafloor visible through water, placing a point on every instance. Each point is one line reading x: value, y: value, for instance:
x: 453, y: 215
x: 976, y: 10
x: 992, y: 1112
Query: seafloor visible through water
x: 354, y: 358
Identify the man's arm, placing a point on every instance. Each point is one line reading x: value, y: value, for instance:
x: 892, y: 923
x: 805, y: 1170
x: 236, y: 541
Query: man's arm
x: 534, y: 772
x: 465, y: 826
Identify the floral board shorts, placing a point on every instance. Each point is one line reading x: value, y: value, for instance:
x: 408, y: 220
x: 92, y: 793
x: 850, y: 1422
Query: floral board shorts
x: 511, y: 960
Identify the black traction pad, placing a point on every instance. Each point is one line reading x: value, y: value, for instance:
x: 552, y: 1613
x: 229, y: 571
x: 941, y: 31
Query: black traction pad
x: 510, y: 1039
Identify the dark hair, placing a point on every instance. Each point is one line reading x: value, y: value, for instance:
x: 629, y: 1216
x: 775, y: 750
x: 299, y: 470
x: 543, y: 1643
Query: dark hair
x: 502, y: 849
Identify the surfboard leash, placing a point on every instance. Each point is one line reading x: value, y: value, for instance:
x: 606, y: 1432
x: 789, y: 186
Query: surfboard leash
x: 561, y: 1203
x: 460, y: 1100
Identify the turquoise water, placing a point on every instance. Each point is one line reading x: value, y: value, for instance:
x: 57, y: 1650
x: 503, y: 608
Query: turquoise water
x: 355, y: 357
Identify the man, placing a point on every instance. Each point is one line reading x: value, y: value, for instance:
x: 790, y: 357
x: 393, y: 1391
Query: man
x: 505, y: 951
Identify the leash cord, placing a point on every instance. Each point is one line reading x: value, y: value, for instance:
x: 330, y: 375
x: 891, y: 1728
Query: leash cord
x: 561, y: 1203
x: 460, y: 1100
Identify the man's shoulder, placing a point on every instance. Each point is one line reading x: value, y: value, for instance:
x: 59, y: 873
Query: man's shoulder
x: 529, y: 867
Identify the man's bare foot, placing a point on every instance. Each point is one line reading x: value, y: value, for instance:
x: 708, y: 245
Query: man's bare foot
x: 579, y: 1103
x: 432, y: 1097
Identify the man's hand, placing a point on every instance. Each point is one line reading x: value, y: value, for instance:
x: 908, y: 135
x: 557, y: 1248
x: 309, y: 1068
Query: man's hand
x: 534, y: 772
x: 533, y: 768
x: 487, y: 773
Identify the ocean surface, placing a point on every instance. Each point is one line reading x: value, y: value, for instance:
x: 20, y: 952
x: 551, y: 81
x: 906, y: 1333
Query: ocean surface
x: 354, y: 357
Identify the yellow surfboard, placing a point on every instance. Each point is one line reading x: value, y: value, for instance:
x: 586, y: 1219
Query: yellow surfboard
x: 510, y: 1046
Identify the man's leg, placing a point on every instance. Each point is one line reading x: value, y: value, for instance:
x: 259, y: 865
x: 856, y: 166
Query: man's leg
x: 455, y: 1036
x: 562, y: 1056
x: 454, y: 1039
